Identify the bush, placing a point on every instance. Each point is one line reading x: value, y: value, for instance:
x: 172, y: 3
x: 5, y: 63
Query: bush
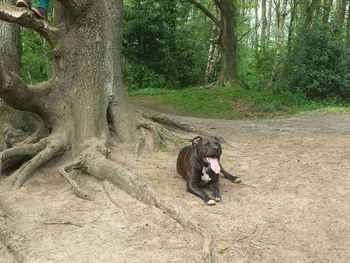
x: 157, y: 50
x: 321, y: 68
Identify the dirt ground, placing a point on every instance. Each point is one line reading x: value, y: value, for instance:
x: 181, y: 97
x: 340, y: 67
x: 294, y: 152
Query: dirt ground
x: 292, y: 206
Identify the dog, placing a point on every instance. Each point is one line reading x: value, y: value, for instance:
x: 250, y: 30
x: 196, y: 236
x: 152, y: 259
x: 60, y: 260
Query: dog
x: 199, y: 164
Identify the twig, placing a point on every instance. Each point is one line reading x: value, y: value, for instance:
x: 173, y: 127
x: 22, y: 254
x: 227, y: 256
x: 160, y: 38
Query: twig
x: 244, y: 237
x: 63, y: 223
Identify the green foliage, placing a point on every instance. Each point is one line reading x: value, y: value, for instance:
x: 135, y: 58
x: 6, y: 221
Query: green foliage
x: 229, y: 102
x: 158, y: 51
x: 36, y: 54
x: 36, y: 57
x: 321, y: 68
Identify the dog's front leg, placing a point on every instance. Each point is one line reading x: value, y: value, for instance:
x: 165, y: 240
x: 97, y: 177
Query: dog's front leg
x: 234, y: 179
x: 214, y: 186
x: 194, y: 189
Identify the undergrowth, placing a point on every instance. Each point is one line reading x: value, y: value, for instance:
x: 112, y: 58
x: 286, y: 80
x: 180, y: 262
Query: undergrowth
x: 233, y: 102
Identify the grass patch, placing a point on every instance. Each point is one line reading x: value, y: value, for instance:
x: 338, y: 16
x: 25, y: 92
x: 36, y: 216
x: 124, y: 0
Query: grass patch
x: 230, y: 102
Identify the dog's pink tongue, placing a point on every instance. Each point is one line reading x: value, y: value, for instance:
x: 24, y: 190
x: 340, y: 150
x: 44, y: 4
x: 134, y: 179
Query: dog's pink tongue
x: 214, y: 164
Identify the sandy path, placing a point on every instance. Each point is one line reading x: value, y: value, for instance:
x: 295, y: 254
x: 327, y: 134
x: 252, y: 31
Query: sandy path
x: 293, y: 205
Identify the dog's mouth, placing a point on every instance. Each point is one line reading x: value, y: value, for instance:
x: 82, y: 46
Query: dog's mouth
x: 214, y: 163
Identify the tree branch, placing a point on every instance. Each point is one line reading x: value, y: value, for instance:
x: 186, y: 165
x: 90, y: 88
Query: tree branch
x: 25, y: 17
x: 218, y: 4
x: 15, y: 92
x: 206, y: 12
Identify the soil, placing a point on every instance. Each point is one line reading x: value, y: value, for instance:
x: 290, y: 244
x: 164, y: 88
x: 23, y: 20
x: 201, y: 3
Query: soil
x: 292, y: 205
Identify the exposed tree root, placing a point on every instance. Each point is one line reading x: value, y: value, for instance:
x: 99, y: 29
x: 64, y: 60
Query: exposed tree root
x: 54, y: 145
x: 207, y: 249
x: 65, y: 170
x: 170, y: 123
x: 40, y: 133
x: 103, y: 169
x: 14, y: 243
x: 9, y: 156
x: 162, y: 128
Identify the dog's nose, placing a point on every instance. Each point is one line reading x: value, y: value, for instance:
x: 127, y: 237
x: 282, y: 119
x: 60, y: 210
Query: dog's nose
x: 215, y: 148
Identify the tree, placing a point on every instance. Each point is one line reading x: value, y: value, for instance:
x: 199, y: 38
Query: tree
x: 83, y: 107
x: 280, y: 37
x: 10, y: 50
x: 226, y: 40
x: 157, y: 51
x: 310, y: 8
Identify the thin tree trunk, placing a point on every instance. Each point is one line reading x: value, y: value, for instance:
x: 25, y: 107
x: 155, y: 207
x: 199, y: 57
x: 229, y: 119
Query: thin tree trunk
x: 256, y: 41
x: 268, y: 26
x: 327, y: 6
x: 279, y: 46
x: 293, y: 12
x: 263, y: 25
x: 214, y: 54
x: 348, y: 28
x: 309, y: 8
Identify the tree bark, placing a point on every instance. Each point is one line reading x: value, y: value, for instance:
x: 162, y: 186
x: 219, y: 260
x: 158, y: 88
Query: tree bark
x: 293, y: 13
x: 263, y: 25
x: 228, y: 43
x: 309, y: 9
x: 214, y: 54
x: 268, y: 26
x: 279, y: 46
x: 348, y: 28
x: 227, y: 39
x: 10, y: 54
x: 84, y: 105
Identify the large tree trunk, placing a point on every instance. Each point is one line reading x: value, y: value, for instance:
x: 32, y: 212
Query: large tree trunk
x: 228, y: 44
x: 10, y: 53
x: 227, y: 40
x: 84, y: 106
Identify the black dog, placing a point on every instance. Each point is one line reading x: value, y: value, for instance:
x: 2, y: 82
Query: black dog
x: 199, y: 165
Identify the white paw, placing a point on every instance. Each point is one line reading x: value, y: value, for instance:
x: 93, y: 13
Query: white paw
x: 237, y: 180
x: 217, y: 199
x: 211, y: 202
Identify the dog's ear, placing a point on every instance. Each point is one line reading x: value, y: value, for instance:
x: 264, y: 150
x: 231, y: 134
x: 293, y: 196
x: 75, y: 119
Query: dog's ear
x: 196, y: 140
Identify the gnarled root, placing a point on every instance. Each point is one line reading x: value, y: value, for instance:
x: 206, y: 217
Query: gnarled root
x: 103, y: 169
x: 163, y: 129
x: 65, y: 170
x: 43, y: 151
x: 10, y: 156
x: 41, y: 132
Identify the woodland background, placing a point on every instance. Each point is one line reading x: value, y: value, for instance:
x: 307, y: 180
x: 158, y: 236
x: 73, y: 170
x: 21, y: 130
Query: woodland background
x: 300, y: 48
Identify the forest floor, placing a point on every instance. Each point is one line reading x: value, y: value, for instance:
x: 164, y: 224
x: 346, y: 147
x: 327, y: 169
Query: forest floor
x: 291, y: 207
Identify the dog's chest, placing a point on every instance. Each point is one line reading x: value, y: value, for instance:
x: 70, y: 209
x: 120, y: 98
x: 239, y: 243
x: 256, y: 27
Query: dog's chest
x: 208, y: 176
